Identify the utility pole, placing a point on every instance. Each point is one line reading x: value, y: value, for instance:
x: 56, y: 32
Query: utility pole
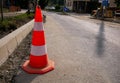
x: 64, y: 5
x: 103, y: 8
x: 85, y: 6
x: 38, y: 1
x: 104, y: 5
x: 1, y: 3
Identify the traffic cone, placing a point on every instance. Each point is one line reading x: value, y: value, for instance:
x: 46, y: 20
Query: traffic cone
x: 39, y: 62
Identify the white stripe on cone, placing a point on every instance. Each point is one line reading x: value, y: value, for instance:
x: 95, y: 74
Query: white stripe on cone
x: 38, y: 26
x: 38, y: 50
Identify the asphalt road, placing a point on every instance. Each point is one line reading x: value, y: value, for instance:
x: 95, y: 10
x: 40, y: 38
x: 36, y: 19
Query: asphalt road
x: 84, y: 51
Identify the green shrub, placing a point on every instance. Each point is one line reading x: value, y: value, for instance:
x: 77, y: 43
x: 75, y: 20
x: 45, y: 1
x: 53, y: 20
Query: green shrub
x: 12, y: 22
x: 4, y: 25
x: 12, y: 26
x: 30, y: 16
x: 57, y: 8
x: 20, y: 17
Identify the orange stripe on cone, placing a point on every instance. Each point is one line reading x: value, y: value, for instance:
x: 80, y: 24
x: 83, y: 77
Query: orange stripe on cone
x: 38, y: 38
x: 39, y: 62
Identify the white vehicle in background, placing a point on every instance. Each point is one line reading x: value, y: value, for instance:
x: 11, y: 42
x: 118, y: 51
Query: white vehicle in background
x: 50, y: 8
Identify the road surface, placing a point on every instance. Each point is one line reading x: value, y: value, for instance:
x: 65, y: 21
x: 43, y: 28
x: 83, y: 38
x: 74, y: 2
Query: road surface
x: 84, y: 51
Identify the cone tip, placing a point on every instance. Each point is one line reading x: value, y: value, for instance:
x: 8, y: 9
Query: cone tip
x: 38, y: 14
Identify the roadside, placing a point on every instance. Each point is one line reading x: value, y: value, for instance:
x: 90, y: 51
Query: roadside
x: 12, y: 65
x: 10, y: 68
x: 108, y: 21
x: 13, y: 22
x: 86, y: 16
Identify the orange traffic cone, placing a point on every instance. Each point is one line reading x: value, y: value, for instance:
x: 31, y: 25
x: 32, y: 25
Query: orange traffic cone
x: 39, y: 62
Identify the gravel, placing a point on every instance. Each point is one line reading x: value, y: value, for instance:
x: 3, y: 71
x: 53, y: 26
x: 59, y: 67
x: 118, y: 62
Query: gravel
x: 10, y: 68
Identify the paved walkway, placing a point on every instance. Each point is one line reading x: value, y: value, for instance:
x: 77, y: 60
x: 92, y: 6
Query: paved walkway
x: 9, y: 14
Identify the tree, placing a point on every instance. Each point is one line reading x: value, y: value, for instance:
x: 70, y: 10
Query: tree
x: 52, y: 2
x: 1, y: 4
x: 43, y: 3
x: 59, y: 2
x: 24, y: 3
x: 117, y: 2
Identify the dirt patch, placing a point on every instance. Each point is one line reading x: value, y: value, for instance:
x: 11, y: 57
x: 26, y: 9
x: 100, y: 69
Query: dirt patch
x: 10, y: 68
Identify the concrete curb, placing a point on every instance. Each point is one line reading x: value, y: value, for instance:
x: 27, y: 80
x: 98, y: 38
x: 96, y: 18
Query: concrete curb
x: 9, y: 43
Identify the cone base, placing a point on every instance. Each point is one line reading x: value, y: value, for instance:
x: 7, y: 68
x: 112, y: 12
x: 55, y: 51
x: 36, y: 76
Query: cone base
x: 26, y: 67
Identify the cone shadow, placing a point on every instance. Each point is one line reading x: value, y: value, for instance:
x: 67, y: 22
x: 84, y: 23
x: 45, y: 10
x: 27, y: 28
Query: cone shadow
x: 100, y: 40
